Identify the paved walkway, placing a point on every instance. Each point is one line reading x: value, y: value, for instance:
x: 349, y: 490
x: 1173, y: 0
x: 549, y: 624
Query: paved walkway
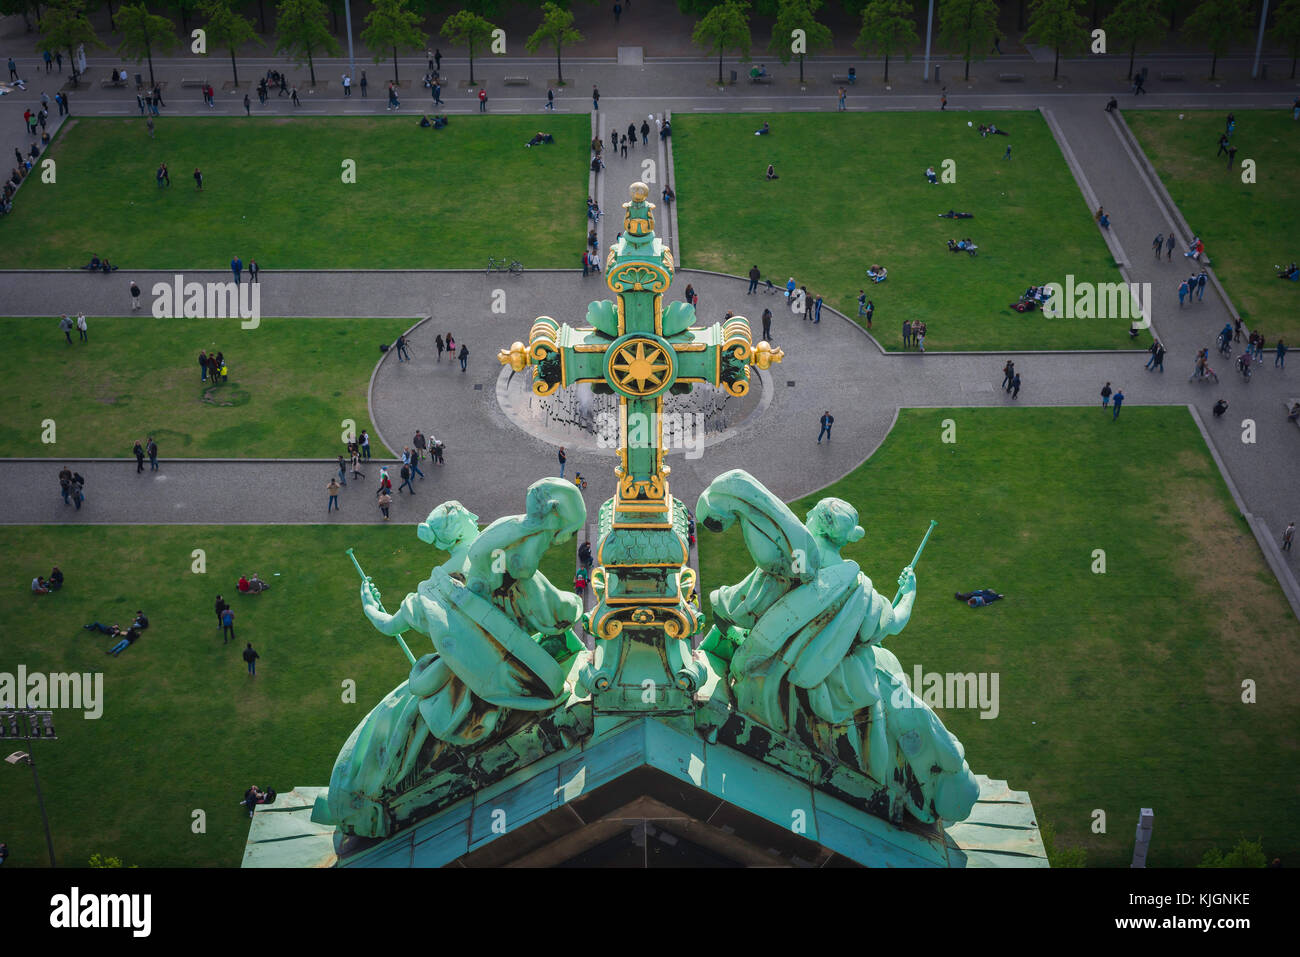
x: 442, y: 400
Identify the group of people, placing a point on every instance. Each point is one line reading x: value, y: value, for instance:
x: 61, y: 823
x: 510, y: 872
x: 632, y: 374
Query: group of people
x: 1109, y: 396
x: 914, y: 334
x: 149, y: 100
x: 212, y: 365
x: 141, y: 449
x: 1011, y: 379
x: 1032, y: 298
x: 992, y: 130
x: 421, y: 446
x: 43, y: 586
x: 67, y: 324
x: 437, y: 123
x: 25, y: 165
x: 1193, y: 285
x: 126, y: 638
x: 962, y: 246
x: 71, y: 486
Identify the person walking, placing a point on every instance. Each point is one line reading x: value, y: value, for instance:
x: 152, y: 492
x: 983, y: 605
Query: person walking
x: 550, y: 99
x: 1182, y: 292
x: 1232, y: 153
x: 248, y: 106
x: 1015, y: 385
x: 347, y: 85
x: 252, y: 270
x: 1158, y: 244
x: 65, y: 484
x: 1279, y: 360
x: 871, y: 308
x: 402, y: 353
x: 13, y: 69
x: 436, y: 90
x: 227, y: 618
x: 563, y: 458
x: 645, y: 132
x: 406, y: 480
x: 437, y: 60
x: 236, y: 268
x: 438, y: 343
x: 817, y: 308
x: 355, y: 462
x: 1155, y: 344
x: 767, y: 326
x: 1105, y: 395
x: 219, y: 606
x: 1169, y: 246
x: 827, y: 420
x: 1008, y: 373
x: 1201, y: 280
x: 907, y: 333
x: 862, y: 302
x: 364, y: 85
x: 595, y: 97
x: 138, y: 452
x: 65, y: 326
x: 943, y: 99
x: 198, y: 179
x: 81, y: 327
x: 251, y: 657
x: 343, y: 472
x: 333, y: 489
x: 843, y: 95
x: 385, y: 500
x: 754, y: 276
x: 464, y: 357
x: 1007, y: 154
x: 1288, y: 536
x: 151, y: 447
x: 365, y: 445
x: 293, y: 97
x: 1119, y: 400
x: 482, y: 100
x: 412, y: 458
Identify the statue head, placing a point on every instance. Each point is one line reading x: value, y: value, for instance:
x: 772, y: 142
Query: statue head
x: 447, y: 526
x: 556, y: 504
x: 835, y: 521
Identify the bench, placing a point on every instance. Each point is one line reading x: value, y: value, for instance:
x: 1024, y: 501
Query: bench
x: 1171, y: 76
x: 1288, y: 404
x: 516, y: 81
x: 112, y: 84
x: 843, y: 78
x: 762, y: 78
x: 1011, y: 77
x: 193, y: 83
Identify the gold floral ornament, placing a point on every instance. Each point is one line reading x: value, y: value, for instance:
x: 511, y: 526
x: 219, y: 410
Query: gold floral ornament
x: 516, y: 357
x: 764, y: 355
x: 640, y: 367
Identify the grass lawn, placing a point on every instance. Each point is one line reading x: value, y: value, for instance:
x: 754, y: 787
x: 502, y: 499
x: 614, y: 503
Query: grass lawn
x: 183, y: 725
x: 852, y: 192
x: 1119, y: 690
x: 1246, y: 227
x: 273, y: 191
x: 291, y: 384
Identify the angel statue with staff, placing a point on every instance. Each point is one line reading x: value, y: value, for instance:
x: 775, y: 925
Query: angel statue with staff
x: 487, y: 611
x: 811, y: 664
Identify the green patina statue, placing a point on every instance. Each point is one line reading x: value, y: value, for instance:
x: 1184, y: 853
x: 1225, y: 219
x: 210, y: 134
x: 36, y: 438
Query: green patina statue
x: 808, y: 660
x: 795, y: 649
x: 487, y: 611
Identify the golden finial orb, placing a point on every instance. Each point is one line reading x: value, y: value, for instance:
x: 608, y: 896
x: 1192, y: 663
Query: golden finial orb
x: 639, y: 192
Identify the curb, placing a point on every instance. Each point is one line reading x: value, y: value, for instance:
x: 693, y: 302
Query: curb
x: 370, y: 389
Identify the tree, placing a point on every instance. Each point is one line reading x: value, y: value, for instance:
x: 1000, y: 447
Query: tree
x: 303, y: 32
x: 63, y: 27
x: 143, y: 33
x: 1218, y: 23
x: 1286, y: 28
x: 1244, y: 854
x: 24, y: 7
x: 227, y: 29
x: 392, y: 24
x: 794, y: 15
x: 467, y: 29
x: 1059, y: 25
x: 725, y: 27
x: 183, y: 8
x: 556, y: 29
x: 1134, y: 22
x: 969, y: 26
x: 887, y: 26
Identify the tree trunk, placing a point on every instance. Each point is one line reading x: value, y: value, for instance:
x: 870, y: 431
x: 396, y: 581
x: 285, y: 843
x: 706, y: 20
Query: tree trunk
x: 1020, y: 16
x: 311, y: 67
x: 1095, y: 11
x: 149, y: 55
x: 967, y: 66
x: 1293, y: 59
x: 1214, y: 64
x: 76, y: 77
x: 886, y: 67
x: 334, y: 19
x: 719, y: 66
x: 471, y: 66
x: 111, y: 25
x: 234, y: 70
x: 801, y: 68
x: 394, y: 66
x: 1056, y: 64
x: 261, y: 14
x: 559, y: 70
x: 1131, y: 53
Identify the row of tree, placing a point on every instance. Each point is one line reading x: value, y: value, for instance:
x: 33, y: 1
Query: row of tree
x: 970, y: 28
x: 889, y: 29
x: 302, y: 32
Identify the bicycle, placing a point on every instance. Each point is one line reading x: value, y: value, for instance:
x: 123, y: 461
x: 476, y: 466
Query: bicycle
x: 500, y: 265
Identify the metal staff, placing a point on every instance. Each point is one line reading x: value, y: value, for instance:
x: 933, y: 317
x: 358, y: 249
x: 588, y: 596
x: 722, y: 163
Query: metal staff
x: 915, y: 558
x: 366, y: 581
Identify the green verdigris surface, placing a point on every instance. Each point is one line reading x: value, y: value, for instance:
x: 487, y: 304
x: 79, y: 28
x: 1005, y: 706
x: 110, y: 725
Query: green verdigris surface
x: 485, y: 610
x: 808, y: 662
x: 792, y: 673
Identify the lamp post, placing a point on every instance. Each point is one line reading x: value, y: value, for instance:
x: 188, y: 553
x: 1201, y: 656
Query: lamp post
x: 1259, y: 44
x: 29, y: 725
x: 929, y: 24
x: 347, y: 18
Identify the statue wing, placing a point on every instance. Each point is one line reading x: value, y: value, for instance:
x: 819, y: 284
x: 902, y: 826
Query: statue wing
x: 777, y: 541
